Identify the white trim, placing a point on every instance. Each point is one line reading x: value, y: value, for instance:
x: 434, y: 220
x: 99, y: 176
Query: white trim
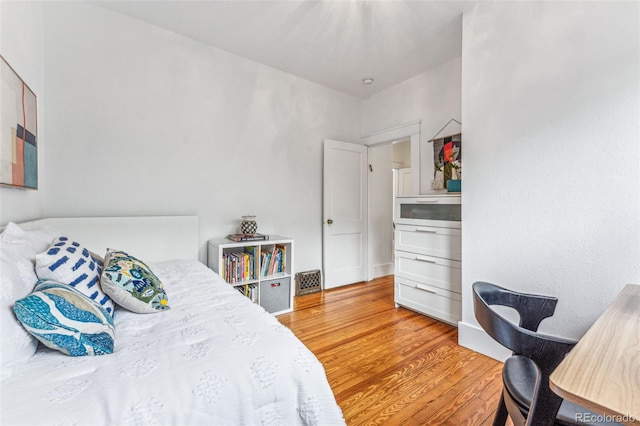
x: 402, y: 131
x: 381, y: 270
x: 415, y: 164
x: 476, y: 339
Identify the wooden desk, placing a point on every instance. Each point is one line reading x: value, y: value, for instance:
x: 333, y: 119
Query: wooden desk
x: 602, y: 372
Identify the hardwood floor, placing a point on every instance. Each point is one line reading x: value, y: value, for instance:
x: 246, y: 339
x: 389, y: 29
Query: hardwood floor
x: 392, y: 366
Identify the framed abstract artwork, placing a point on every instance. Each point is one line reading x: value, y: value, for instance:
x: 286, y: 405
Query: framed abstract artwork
x: 18, y: 131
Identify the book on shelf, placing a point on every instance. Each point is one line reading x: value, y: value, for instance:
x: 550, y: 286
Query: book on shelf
x: 239, y: 266
x: 250, y: 291
x: 273, y: 261
x: 266, y: 259
x: 251, y: 251
x: 282, y: 264
x: 247, y: 237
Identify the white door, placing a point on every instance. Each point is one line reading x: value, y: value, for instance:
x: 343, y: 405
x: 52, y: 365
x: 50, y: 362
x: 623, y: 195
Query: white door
x: 344, y: 229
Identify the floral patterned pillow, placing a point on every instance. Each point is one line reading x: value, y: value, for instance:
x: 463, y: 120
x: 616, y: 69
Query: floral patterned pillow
x: 131, y: 284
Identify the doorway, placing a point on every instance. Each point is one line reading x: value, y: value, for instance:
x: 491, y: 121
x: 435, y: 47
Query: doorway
x: 380, y: 210
x: 377, y: 253
x: 389, y: 177
x: 396, y: 152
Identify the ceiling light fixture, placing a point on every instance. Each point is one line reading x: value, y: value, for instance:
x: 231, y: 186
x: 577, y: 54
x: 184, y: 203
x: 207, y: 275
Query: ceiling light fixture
x: 367, y: 80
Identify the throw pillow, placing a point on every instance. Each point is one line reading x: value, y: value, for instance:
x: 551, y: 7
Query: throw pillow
x: 68, y: 262
x: 66, y: 320
x: 131, y: 284
x: 17, y: 279
x: 40, y: 235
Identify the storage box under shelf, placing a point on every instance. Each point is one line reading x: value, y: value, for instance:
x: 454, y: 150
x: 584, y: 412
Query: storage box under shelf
x: 274, y: 294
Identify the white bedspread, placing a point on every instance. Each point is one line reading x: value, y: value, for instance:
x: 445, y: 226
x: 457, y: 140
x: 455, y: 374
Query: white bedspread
x: 214, y: 358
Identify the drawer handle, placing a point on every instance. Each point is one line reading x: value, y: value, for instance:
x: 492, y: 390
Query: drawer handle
x: 427, y: 231
x: 427, y: 201
x: 428, y: 290
x: 424, y: 260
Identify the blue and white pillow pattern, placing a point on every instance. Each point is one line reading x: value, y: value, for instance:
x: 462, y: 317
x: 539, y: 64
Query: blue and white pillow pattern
x: 68, y: 262
x: 66, y: 320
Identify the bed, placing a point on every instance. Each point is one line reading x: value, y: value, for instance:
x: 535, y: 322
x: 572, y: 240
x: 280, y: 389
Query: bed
x: 213, y: 358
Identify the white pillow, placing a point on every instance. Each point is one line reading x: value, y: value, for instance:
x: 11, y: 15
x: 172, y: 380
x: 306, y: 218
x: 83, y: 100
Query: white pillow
x: 69, y: 262
x: 17, y: 278
x: 41, y: 237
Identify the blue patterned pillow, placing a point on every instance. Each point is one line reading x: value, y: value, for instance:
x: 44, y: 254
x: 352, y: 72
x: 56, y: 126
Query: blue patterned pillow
x: 64, y: 319
x: 70, y: 263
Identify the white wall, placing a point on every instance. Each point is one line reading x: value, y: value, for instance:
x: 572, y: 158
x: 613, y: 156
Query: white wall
x: 402, y: 154
x: 432, y: 97
x: 22, y: 46
x: 551, y: 113
x: 142, y: 121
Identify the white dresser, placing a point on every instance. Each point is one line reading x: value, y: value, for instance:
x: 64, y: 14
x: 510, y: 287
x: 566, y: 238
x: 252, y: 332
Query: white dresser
x: 428, y: 256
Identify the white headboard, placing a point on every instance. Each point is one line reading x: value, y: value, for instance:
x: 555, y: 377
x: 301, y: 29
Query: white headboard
x: 149, y: 238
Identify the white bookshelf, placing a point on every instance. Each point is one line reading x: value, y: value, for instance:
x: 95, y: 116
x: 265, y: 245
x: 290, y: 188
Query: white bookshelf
x: 274, y: 291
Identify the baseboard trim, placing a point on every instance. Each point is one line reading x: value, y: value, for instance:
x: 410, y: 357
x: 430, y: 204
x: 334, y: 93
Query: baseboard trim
x: 381, y: 270
x: 475, y: 338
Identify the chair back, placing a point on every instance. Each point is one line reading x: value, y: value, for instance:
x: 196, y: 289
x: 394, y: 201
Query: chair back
x: 524, y: 340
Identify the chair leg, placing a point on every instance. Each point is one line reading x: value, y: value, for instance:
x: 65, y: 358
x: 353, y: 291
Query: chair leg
x: 500, y: 418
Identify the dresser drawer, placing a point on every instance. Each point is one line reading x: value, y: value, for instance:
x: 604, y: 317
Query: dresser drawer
x: 430, y: 241
x: 434, y: 271
x: 435, y: 302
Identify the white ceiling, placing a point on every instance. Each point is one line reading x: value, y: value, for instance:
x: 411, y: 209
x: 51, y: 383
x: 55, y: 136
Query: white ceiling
x: 333, y: 43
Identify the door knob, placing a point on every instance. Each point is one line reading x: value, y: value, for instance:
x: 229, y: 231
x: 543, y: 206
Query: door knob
x: 329, y: 221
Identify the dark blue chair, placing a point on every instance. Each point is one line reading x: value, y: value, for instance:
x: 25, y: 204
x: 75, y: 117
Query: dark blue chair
x: 526, y: 396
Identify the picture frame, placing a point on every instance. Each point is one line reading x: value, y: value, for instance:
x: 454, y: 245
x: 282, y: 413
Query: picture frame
x: 18, y: 130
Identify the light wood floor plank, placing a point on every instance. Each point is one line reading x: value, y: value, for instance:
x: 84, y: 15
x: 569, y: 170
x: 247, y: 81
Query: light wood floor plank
x: 392, y: 366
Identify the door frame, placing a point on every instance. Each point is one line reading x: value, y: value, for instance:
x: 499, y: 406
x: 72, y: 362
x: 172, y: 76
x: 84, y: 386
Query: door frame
x: 393, y: 134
